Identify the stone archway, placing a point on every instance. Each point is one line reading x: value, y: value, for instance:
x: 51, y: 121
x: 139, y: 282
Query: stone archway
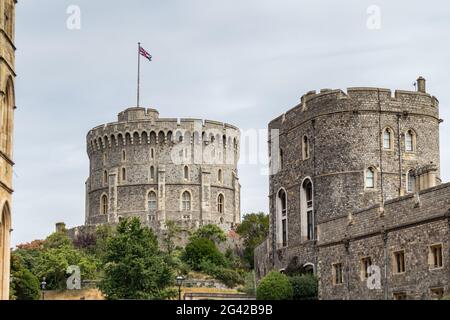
x: 5, y: 227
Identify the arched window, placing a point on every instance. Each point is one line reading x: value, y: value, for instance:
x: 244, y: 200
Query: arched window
x: 411, y: 181
x: 305, y: 148
x: 186, y: 201
x: 124, y: 174
x: 105, y: 177
x: 220, y: 203
x: 6, y: 111
x: 220, y: 176
x: 307, y: 210
x: 186, y: 173
x: 282, y: 236
x: 370, y: 178
x: 387, y: 139
x: 152, y: 173
x: 151, y: 201
x: 410, y: 138
x: 104, y: 204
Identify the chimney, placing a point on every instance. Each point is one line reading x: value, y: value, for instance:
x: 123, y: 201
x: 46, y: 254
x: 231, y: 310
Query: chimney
x: 60, y: 227
x: 421, y: 85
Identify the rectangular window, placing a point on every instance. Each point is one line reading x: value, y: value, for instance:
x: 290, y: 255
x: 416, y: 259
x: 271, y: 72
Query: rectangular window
x: 310, y: 225
x: 284, y: 227
x: 435, y: 256
x: 399, y: 262
x: 338, y: 275
x: 437, y: 293
x: 400, y: 296
x: 365, y: 264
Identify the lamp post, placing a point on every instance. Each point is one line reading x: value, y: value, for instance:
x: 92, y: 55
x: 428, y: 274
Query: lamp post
x: 43, y: 285
x: 180, y: 280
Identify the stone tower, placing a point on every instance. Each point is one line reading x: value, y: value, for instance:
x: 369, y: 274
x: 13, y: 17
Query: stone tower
x: 7, y: 106
x: 160, y: 169
x: 339, y: 152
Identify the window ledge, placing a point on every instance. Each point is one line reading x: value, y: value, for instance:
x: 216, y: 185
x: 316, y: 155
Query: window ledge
x: 436, y: 268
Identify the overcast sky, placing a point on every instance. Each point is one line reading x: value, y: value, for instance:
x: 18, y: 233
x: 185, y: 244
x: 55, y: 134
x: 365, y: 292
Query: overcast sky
x: 241, y: 62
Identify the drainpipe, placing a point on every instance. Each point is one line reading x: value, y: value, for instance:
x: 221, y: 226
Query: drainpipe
x: 384, y: 234
x: 380, y: 135
x: 399, y: 156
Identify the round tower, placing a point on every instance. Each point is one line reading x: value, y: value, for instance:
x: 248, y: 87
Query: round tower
x: 338, y: 152
x: 163, y: 169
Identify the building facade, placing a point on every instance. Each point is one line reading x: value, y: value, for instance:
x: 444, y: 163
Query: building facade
x: 345, y: 169
x: 7, y: 106
x: 163, y: 169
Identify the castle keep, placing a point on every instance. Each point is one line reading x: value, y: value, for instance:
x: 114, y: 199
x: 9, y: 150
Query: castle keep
x: 7, y: 106
x: 355, y: 193
x: 163, y: 169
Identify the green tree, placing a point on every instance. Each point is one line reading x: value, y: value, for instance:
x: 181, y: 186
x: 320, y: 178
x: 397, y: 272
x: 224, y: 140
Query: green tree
x: 171, y: 233
x: 254, y: 229
x: 211, y: 232
x: 57, y: 240
x: 305, y: 287
x: 274, y: 286
x: 135, y: 268
x: 199, y: 250
x: 24, y: 285
x: 58, y: 254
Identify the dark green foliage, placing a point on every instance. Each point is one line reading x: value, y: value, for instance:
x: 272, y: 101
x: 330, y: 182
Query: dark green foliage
x: 305, y: 287
x: 199, y: 250
x: 229, y: 277
x: 24, y: 285
x: 210, y: 232
x: 274, y: 286
x: 253, y: 230
x: 135, y: 268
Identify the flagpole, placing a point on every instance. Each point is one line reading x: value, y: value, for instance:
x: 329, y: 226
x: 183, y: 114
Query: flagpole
x: 139, y: 73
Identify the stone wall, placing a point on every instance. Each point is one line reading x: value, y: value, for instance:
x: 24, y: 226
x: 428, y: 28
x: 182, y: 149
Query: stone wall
x: 410, y: 223
x: 7, y: 107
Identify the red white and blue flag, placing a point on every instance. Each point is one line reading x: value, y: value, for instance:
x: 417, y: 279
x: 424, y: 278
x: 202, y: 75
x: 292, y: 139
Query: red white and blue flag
x: 145, y: 54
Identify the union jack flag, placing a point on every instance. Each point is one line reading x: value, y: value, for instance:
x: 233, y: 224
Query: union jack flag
x: 145, y: 53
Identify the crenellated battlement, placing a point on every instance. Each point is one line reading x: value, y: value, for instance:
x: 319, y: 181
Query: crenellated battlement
x: 143, y: 126
x: 326, y: 101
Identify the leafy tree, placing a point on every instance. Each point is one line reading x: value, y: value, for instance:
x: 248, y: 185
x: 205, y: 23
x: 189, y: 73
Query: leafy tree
x: 135, y: 268
x: 57, y: 240
x: 305, y: 287
x: 57, y: 255
x: 274, y: 286
x: 254, y: 229
x: 102, y: 234
x: 53, y: 264
x: 202, y: 249
x: 211, y: 232
x: 24, y: 285
x: 85, y: 241
x: 171, y: 233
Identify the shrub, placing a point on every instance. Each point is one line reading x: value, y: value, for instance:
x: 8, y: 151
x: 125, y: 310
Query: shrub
x: 201, y: 249
x: 24, y: 285
x: 228, y: 277
x: 305, y: 287
x: 249, y: 284
x: 274, y: 286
